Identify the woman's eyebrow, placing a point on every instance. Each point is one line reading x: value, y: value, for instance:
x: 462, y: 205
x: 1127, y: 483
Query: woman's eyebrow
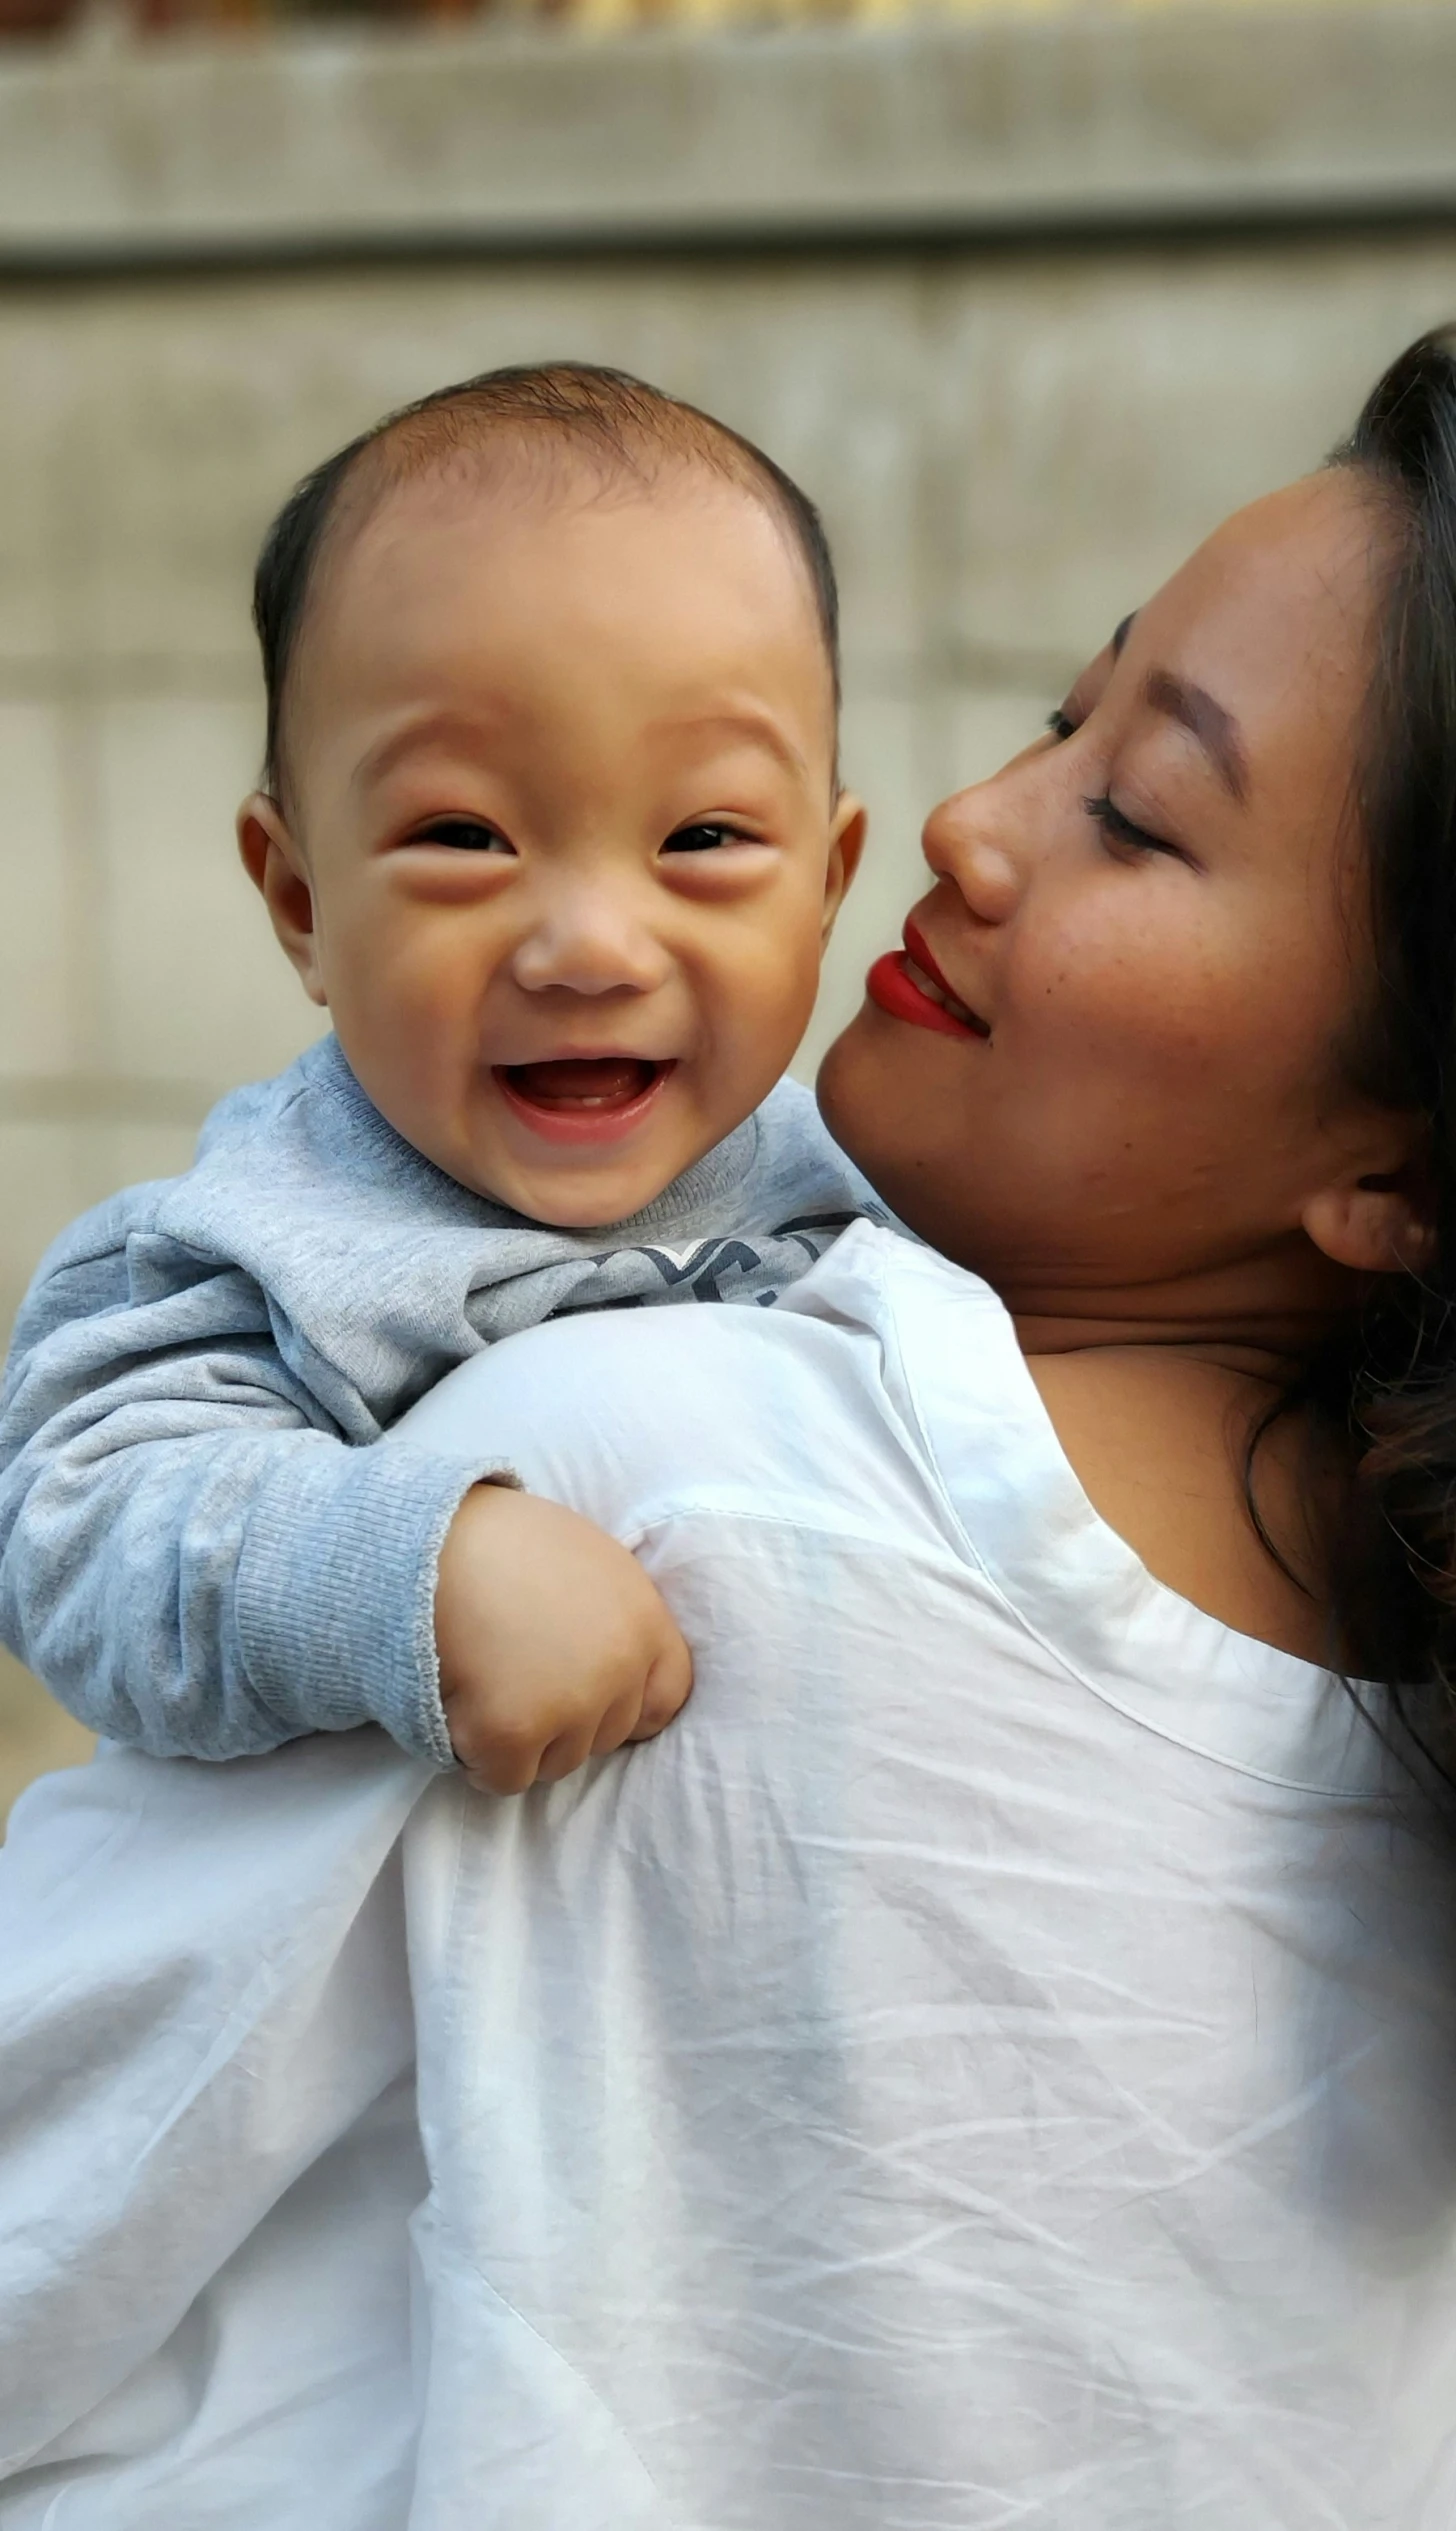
x: 1216, y: 730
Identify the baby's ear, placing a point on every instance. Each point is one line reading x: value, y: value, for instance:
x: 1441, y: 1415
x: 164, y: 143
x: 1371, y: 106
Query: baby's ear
x: 277, y: 869
x: 847, y: 831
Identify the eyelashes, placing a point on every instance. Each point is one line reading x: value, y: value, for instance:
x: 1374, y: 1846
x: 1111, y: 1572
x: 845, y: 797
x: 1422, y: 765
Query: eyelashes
x: 472, y: 834
x: 708, y: 835
x: 465, y: 834
x: 1121, y: 830
x: 1104, y: 811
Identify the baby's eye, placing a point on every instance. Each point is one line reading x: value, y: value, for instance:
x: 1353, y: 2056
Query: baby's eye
x: 464, y: 834
x: 710, y: 837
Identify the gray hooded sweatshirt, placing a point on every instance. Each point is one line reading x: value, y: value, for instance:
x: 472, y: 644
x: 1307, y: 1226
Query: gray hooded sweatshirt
x: 199, y: 1552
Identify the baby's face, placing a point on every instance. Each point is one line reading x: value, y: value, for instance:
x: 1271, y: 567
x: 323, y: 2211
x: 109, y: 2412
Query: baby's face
x: 562, y: 843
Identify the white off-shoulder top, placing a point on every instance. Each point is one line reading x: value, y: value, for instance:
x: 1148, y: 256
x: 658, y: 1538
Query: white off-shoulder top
x: 991, y: 2064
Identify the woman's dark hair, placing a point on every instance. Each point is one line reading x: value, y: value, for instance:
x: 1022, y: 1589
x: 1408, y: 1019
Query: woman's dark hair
x: 606, y: 418
x: 1388, y: 1383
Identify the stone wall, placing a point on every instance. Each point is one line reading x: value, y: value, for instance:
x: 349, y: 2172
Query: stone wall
x: 1016, y: 418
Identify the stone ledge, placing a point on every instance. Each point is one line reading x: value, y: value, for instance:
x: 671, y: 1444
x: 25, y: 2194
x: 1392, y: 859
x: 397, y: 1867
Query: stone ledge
x: 307, y: 148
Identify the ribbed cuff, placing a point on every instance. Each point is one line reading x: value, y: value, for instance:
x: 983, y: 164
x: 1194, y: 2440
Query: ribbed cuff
x: 336, y: 1589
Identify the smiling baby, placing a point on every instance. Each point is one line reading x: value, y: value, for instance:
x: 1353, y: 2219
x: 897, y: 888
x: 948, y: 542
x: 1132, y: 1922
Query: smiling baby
x: 551, y: 826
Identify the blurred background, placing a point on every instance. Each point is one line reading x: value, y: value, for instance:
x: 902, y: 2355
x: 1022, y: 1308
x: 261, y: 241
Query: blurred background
x: 1027, y: 296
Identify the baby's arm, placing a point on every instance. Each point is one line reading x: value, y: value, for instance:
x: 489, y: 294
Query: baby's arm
x: 197, y: 1563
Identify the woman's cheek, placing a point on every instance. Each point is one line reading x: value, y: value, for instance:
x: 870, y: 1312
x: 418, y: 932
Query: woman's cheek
x: 1133, y: 1003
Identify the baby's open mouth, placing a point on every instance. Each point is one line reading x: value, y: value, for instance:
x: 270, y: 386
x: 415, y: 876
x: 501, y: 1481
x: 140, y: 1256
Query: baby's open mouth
x: 583, y: 1084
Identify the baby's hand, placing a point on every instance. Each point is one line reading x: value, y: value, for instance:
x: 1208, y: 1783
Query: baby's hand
x: 553, y: 1644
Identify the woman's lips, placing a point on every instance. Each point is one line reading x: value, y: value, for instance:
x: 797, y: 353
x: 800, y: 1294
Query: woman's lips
x: 908, y: 985
x: 583, y: 1098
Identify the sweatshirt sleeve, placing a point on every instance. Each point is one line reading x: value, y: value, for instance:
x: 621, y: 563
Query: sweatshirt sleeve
x: 191, y: 1556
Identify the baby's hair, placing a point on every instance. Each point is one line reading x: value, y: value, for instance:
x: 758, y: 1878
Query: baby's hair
x: 599, y: 416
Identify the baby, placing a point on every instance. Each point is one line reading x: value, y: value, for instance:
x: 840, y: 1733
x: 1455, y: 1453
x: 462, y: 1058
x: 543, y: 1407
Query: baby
x: 552, y: 828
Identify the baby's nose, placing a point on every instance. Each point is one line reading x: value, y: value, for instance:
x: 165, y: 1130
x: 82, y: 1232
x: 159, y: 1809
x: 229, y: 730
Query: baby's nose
x: 590, y: 941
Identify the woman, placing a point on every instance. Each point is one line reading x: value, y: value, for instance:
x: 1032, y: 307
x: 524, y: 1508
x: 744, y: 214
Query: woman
x: 991, y: 2062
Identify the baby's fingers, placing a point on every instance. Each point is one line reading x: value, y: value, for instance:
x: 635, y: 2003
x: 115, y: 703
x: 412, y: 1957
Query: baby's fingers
x: 669, y: 1685
x: 571, y: 1749
x: 506, y: 1764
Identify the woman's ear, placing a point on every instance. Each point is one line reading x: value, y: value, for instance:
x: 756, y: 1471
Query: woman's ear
x: 1378, y: 1223
x: 846, y: 843
x: 277, y: 869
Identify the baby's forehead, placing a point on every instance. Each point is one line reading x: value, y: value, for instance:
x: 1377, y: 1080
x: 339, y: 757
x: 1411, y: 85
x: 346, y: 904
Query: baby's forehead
x: 480, y: 525
x: 456, y: 557
x: 524, y: 609
x: 526, y: 481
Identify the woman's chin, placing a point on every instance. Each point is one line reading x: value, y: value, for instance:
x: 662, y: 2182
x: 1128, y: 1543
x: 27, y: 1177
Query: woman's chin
x: 885, y: 1120
x: 862, y: 1099
x: 840, y: 1086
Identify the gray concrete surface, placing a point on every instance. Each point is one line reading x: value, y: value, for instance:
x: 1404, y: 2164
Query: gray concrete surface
x: 1011, y: 444
x: 1002, y: 121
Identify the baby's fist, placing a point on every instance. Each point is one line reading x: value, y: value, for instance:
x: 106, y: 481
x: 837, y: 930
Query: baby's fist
x: 553, y: 1644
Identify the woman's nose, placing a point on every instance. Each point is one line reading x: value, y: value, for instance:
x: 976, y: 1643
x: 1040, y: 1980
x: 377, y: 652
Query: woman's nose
x: 961, y: 844
x: 589, y: 940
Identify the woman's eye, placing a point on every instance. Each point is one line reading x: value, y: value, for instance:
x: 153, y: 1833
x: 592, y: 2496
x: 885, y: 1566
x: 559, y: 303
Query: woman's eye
x: 1121, y: 831
x: 1060, y: 726
x: 464, y: 834
x: 705, y: 838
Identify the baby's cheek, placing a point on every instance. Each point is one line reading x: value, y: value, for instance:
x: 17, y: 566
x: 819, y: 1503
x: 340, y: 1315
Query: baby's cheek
x: 767, y: 993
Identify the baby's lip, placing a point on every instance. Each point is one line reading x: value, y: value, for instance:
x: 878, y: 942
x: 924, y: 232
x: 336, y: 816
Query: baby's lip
x: 583, y: 1100
x: 578, y: 1081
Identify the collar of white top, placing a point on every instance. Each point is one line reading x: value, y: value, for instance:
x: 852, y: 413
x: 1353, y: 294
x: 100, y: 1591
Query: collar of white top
x: 1077, y: 1586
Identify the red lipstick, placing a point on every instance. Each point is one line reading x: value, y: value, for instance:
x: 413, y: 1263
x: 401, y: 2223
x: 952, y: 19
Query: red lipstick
x: 897, y: 984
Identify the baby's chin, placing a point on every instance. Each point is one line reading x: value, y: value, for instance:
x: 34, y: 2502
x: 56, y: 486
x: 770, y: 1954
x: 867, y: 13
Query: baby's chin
x: 591, y: 1191
x: 578, y: 1199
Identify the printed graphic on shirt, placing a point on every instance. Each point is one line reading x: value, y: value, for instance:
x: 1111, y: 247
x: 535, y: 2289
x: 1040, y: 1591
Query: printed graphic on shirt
x: 758, y: 1268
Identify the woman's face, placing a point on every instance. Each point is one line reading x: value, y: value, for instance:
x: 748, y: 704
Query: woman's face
x: 1153, y: 918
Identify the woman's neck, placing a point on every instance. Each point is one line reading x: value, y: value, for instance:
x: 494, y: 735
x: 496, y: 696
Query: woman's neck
x: 1157, y: 1392
x: 1257, y: 1318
